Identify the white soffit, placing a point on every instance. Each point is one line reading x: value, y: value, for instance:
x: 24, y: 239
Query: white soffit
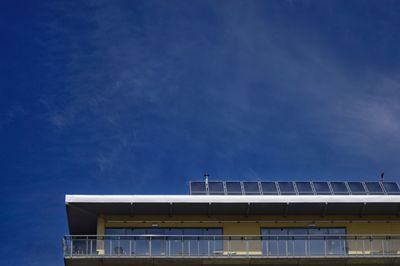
x: 232, y: 199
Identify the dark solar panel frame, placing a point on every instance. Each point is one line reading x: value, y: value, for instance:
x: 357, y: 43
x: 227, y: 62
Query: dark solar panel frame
x: 347, y: 192
x: 291, y: 184
x: 312, y: 192
x: 276, y: 192
x: 391, y: 192
x: 218, y: 191
x: 370, y: 190
x: 198, y: 192
x: 329, y: 192
x: 357, y: 192
x: 233, y: 193
x: 385, y: 189
x: 258, y: 192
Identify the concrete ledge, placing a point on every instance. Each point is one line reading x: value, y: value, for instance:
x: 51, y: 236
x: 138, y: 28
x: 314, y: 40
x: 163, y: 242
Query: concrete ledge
x: 118, y: 261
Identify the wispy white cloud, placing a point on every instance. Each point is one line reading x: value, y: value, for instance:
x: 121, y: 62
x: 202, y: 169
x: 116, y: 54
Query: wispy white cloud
x: 253, y: 79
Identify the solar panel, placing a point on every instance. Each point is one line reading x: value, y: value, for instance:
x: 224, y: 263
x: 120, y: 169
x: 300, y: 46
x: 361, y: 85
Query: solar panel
x: 304, y: 188
x: 216, y: 188
x: 339, y: 188
x: 374, y: 188
x: 233, y: 188
x: 251, y: 188
x: 269, y: 188
x: 286, y: 188
x: 322, y: 188
x: 391, y: 188
x: 293, y: 188
x: 198, y: 188
x: 356, y: 188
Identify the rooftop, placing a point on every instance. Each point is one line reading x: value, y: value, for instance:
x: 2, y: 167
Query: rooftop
x: 245, y: 198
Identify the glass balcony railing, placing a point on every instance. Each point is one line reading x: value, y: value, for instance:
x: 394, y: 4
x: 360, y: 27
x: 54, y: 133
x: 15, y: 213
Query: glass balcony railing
x: 231, y: 246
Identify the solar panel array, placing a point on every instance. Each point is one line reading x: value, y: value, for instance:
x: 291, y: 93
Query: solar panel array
x: 293, y: 188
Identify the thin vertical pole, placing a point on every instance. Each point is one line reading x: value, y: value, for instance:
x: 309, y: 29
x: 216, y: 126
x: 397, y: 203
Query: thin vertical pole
x: 149, y: 247
x: 134, y: 246
x: 247, y: 245
x: 286, y: 245
x: 182, y: 246
x: 229, y: 246
x: 165, y: 245
x: 71, y: 246
x: 198, y: 246
x: 363, y: 244
x: 111, y: 247
x: 208, y: 245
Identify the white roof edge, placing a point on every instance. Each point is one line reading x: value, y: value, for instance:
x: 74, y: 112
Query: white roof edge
x: 232, y: 199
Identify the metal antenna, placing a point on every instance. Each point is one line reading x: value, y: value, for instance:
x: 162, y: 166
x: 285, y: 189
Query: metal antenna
x: 206, y: 176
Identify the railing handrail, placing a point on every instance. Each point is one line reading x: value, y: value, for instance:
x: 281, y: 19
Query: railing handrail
x: 227, y: 236
x: 151, y: 245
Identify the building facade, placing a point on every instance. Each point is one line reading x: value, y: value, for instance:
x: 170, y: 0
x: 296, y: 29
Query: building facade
x: 239, y: 223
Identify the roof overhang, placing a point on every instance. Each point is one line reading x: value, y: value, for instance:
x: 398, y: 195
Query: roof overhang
x: 83, y: 209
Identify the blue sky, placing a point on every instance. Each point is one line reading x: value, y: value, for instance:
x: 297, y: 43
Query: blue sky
x: 125, y: 97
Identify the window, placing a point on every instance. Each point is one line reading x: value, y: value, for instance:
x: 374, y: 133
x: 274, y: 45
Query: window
x: 296, y: 241
x: 161, y: 241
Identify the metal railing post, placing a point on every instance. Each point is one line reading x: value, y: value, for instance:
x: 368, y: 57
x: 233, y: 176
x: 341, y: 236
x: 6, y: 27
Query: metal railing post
x: 277, y: 245
x: 182, y: 247
x: 363, y: 244
x: 247, y: 245
x: 229, y: 246
x: 87, y: 245
x: 208, y: 246
x: 293, y: 242
x: 72, y: 246
x: 134, y: 246
x: 149, y: 246
x: 169, y: 247
x: 287, y: 248
x: 111, y: 253
x: 198, y: 246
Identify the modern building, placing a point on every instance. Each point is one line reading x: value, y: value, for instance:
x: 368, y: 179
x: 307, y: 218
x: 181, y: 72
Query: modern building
x: 239, y: 223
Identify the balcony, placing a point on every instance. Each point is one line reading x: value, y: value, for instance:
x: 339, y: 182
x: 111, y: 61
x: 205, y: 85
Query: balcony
x: 187, y: 246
